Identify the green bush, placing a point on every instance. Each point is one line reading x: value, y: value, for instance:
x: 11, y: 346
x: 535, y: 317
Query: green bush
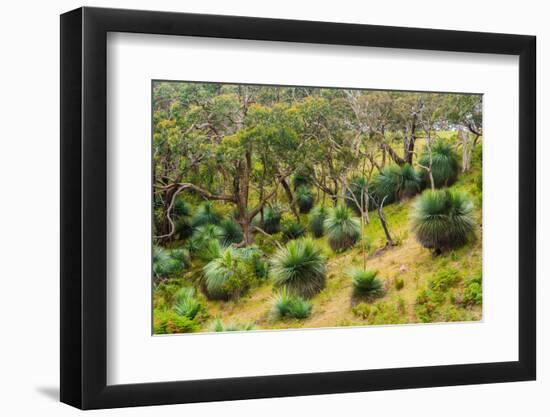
x: 202, y: 236
x: 473, y: 291
x: 304, y: 199
x: 302, y: 177
x: 410, y: 182
x: 228, y: 276
x: 399, y: 284
x: 168, y: 322
x: 444, y: 279
x: 386, y: 184
x: 168, y: 262
x: 366, y: 283
x: 291, y: 306
x: 358, y: 186
x: 206, y: 214
x: 293, y: 230
x: 219, y: 326
x: 444, y: 165
x: 230, y: 232
x: 342, y: 229
x: 443, y: 219
x: 317, y: 219
x: 300, y: 267
x: 272, y: 220
x: 186, y: 303
x: 255, y: 258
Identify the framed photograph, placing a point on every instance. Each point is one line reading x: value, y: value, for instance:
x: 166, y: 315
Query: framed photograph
x: 257, y: 208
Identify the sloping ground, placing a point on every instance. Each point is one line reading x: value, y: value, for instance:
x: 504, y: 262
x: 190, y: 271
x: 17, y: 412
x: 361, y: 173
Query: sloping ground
x: 408, y: 261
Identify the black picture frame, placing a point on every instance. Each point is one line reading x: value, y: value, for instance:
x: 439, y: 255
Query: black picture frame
x: 84, y: 207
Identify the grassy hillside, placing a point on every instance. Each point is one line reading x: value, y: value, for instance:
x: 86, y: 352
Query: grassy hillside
x: 418, y: 285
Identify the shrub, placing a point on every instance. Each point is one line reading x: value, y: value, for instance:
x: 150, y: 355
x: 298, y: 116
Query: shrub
x: 399, y: 284
x: 168, y: 262
x: 444, y: 165
x: 366, y: 283
x: 386, y: 184
x: 206, y: 214
x: 272, y: 220
x: 443, y: 219
x: 168, y: 321
x: 317, y: 218
x: 300, y: 267
x: 183, y: 228
x: 186, y: 304
x: 293, y: 230
x: 230, y: 232
x: 444, y: 279
x: 181, y: 208
x: 219, y: 326
x: 288, y: 305
x: 410, y: 182
x: 342, y: 229
x: 228, y: 276
x: 358, y: 186
x: 254, y: 256
x: 304, y: 199
x: 473, y: 291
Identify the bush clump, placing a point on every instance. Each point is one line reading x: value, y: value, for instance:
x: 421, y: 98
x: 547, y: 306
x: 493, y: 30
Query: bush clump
x: 186, y: 303
x: 366, y: 283
x: 293, y: 230
x: 444, y: 165
x: 473, y: 291
x: 228, y: 276
x: 304, y: 199
x: 300, y: 267
x: 168, y: 262
x: 205, y: 214
x: 317, y: 219
x: 272, y: 220
x: 168, y: 322
x: 286, y: 305
x: 443, y: 219
x: 230, y: 232
x: 343, y: 230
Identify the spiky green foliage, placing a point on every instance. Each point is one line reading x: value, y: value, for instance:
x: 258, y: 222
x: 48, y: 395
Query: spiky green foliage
x: 168, y: 262
x: 202, y: 237
x: 186, y: 303
x: 287, y: 305
x: 358, y: 187
x: 410, y: 183
x: 304, y: 199
x: 255, y: 257
x: 206, y: 214
x: 366, y: 283
x: 444, y: 165
x: 317, y: 219
x: 300, y: 267
x: 181, y: 208
x: 293, y: 230
x: 386, y: 184
x: 343, y: 230
x: 443, y: 219
x: 230, y: 232
x: 219, y: 326
x: 227, y: 277
x: 169, y: 322
x: 272, y: 220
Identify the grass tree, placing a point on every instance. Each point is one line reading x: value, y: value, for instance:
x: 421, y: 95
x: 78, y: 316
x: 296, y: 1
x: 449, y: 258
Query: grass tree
x: 317, y: 219
x: 304, y: 199
x: 366, y: 283
x: 343, y: 230
x: 300, y: 267
x: 443, y: 219
x: 287, y: 305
